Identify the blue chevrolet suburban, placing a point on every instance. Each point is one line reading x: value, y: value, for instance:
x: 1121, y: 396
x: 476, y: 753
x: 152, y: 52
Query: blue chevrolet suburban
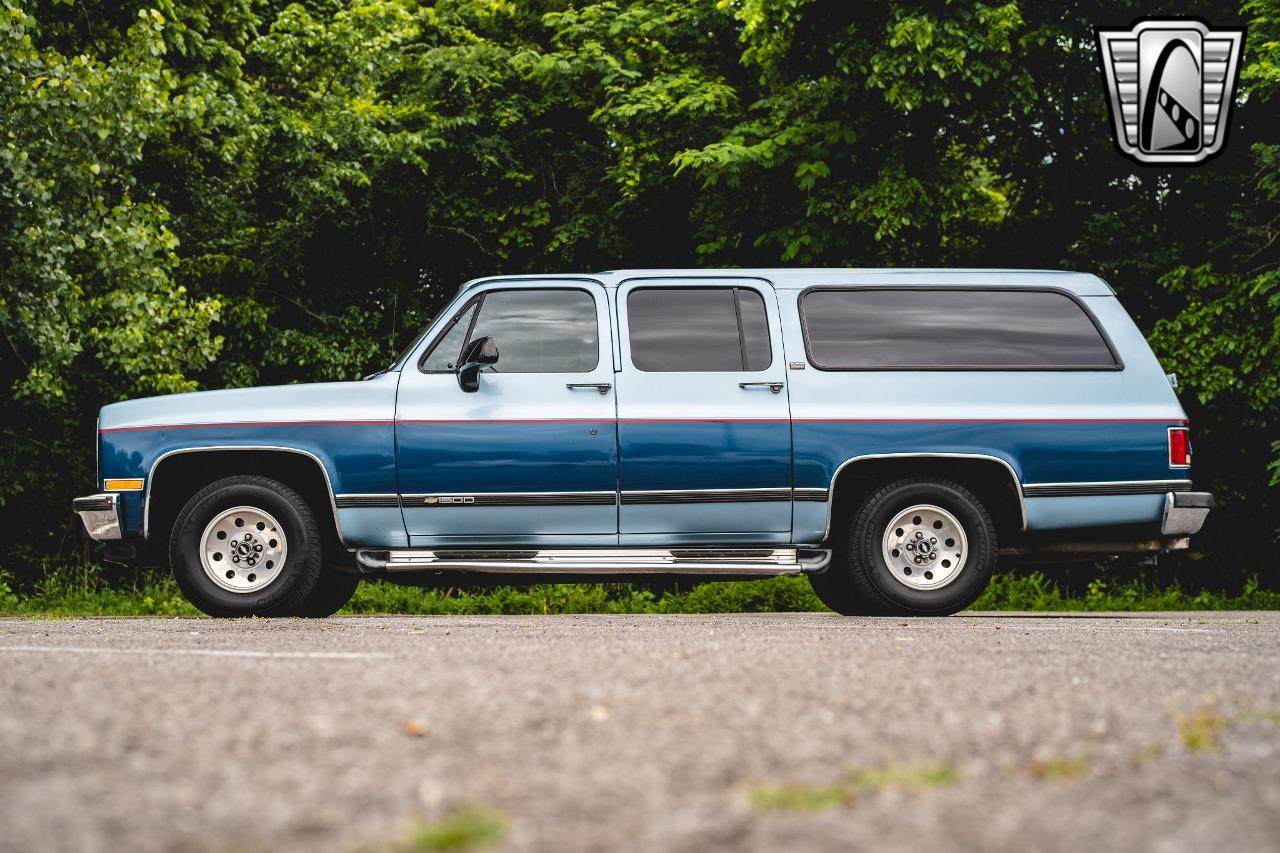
x: 889, y: 433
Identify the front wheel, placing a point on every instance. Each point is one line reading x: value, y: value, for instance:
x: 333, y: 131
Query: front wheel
x: 246, y: 546
x: 917, y: 546
x: 331, y: 593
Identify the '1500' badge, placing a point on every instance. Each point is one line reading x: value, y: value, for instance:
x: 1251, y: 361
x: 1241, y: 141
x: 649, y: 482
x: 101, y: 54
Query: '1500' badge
x: 1170, y: 84
x: 448, y: 500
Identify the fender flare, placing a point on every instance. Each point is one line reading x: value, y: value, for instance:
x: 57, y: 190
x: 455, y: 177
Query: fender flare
x: 268, y: 448
x: 986, y: 457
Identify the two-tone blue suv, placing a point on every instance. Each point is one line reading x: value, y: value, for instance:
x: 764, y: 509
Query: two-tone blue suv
x: 887, y: 432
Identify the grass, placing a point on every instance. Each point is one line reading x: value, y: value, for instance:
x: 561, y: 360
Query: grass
x: 1253, y: 715
x: 1060, y: 767
x: 466, y: 829
x: 84, y: 591
x: 1143, y: 754
x: 857, y: 783
x: 1201, y: 730
x: 1036, y: 592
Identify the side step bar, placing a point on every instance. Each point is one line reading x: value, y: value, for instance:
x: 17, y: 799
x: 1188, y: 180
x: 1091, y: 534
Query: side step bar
x: 597, y: 561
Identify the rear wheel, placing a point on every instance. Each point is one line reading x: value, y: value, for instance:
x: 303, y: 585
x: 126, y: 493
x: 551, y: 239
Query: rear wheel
x: 917, y: 546
x: 246, y: 546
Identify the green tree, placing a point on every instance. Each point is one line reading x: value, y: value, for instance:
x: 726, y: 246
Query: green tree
x: 207, y: 194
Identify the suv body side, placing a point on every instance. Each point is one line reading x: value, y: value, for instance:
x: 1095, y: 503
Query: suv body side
x: 697, y: 459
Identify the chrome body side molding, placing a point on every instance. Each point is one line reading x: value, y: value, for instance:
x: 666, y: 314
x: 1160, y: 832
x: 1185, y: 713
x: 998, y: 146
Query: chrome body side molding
x: 815, y: 495
x: 601, y: 498
x: 1111, y: 487
x: 387, y: 501
x: 687, y: 496
x: 510, y: 499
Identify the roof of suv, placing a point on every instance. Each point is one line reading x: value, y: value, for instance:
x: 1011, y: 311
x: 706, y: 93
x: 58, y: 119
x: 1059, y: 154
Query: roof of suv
x: 1079, y: 283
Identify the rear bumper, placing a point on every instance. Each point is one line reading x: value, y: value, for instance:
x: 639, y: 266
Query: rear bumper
x: 1185, y: 512
x: 1180, y: 515
x: 100, y: 514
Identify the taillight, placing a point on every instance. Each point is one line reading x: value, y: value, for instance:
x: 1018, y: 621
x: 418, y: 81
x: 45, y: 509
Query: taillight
x: 1179, y: 447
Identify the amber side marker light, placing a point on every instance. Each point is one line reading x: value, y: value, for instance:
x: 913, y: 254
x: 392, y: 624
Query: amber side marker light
x: 1179, y: 447
x: 122, y: 485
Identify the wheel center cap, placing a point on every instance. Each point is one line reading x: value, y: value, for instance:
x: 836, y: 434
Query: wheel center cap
x: 924, y: 548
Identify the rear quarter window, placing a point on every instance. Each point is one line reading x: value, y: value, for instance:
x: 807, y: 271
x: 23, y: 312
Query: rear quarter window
x: 951, y: 329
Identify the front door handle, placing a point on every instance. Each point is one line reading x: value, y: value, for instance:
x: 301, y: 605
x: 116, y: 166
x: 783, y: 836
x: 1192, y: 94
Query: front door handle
x: 775, y: 387
x: 602, y: 387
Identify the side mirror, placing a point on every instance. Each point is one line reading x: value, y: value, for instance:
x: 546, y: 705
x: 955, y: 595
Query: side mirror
x: 475, y: 356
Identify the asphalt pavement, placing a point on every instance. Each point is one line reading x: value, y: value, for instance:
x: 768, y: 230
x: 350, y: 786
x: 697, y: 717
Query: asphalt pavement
x: 1152, y: 732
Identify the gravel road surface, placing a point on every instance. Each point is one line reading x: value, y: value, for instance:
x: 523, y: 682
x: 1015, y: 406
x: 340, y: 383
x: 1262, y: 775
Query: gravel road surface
x: 763, y: 732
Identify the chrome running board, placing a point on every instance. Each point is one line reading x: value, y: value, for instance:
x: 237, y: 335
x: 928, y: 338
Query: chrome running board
x: 601, y: 561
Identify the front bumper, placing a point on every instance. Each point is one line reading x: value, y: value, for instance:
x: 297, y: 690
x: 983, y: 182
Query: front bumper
x: 100, y: 514
x: 1185, y: 512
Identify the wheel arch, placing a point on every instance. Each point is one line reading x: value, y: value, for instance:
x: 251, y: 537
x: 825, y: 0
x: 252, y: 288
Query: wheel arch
x: 177, y: 474
x: 993, y: 478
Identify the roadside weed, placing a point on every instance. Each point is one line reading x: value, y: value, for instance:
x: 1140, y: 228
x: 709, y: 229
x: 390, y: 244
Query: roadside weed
x: 1060, y: 767
x: 1143, y: 754
x: 1199, y: 731
x: 857, y: 783
x: 466, y: 829
x: 90, y: 590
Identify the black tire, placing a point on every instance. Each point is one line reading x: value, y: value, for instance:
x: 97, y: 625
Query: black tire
x: 332, y: 591
x: 834, y: 589
x: 861, y: 582
x: 302, y: 564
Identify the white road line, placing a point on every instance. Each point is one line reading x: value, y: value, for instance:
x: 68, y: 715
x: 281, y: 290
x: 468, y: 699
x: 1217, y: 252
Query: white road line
x: 1063, y: 629
x: 211, y: 653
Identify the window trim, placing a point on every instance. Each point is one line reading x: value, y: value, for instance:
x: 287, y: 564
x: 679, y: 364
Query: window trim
x: 737, y: 312
x: 478, y: 301
x: 1116, y: 367
x: 448, y: 327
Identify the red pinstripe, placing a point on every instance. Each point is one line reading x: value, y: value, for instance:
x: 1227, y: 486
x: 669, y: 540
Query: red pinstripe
x: 654, y: 421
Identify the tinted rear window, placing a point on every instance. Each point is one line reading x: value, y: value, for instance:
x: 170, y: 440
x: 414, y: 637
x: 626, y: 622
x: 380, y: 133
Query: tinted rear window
x: 675, y: 329
x: 914, y: 328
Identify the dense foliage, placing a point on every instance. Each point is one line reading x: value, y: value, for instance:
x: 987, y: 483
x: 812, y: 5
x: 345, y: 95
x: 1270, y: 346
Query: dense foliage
x: 230, y: 192
x: 70, y: 591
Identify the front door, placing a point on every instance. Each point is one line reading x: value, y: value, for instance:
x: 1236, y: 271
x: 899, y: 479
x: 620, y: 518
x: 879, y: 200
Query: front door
x: 704, y: 428
x: 530, y: 457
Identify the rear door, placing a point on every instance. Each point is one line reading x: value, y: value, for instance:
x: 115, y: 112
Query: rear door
x: 704, y: 430
x: 530, y: 458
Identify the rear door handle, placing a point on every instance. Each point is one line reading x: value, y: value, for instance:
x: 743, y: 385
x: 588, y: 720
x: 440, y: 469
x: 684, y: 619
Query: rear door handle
x: 775, y: 387
x: 602, y: 387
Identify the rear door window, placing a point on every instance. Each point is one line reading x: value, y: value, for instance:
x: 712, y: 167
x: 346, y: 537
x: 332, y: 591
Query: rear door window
x: 951, y: 329
x: 698, y: 329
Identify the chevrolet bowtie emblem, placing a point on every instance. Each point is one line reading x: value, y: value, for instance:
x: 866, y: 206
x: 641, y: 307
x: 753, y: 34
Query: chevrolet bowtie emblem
x: 1170, y: 84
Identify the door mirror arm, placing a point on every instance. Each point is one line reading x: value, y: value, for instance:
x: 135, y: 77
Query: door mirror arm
x: 476, y: 356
